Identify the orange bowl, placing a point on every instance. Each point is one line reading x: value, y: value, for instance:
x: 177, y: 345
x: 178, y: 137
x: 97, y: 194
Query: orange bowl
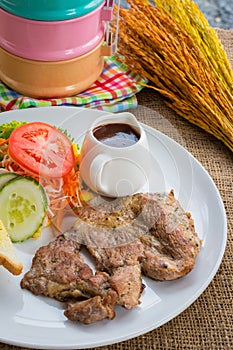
x: 42, y: 79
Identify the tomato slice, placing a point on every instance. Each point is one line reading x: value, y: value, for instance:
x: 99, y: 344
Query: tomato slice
x: 41, y: 149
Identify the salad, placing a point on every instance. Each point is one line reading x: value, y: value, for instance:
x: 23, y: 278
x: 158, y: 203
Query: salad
x: 39, y: 177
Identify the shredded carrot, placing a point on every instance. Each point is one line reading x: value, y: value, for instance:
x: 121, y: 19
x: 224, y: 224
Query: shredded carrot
x: 63, y: 194
x: 3, y: 142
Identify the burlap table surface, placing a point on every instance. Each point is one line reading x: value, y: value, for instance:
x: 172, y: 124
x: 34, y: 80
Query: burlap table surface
x: 208, y: 323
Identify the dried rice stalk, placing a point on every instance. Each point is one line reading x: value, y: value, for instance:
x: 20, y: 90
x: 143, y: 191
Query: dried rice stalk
x: 194, y: 23
x: 184, y: 71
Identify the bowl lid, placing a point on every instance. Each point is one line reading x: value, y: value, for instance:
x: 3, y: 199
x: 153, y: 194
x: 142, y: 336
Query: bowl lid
x: 53, y: 10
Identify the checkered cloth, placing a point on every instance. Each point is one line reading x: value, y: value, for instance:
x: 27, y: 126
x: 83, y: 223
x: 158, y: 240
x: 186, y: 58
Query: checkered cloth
x: 114, y: 91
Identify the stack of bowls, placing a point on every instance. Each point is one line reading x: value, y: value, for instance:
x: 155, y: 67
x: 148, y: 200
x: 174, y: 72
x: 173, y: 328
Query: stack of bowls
x: 52, y: 48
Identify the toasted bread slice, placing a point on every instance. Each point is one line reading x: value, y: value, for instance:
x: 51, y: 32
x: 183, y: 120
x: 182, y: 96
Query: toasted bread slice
x: 8, y: 257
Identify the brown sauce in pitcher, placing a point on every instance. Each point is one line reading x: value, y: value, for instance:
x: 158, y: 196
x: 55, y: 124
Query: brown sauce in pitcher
x: 116, y: 134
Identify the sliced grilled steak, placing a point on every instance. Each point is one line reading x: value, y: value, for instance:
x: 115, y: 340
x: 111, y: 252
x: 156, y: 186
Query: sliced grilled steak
x: 58, y: 271
x: 171, y: 244
x: 109, y: 233
x: 123, y: 266
x: 127, y: 281
x: 155, y: 221
x: 93, y: 309
x: 145, y: 231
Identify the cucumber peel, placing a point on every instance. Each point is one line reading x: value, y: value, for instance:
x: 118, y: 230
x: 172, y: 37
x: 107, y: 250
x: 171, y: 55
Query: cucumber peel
x: 23, y: 207
x: 5, y: 177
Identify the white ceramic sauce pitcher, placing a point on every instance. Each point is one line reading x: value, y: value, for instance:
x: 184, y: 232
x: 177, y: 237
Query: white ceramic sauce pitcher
x: 115, y: 171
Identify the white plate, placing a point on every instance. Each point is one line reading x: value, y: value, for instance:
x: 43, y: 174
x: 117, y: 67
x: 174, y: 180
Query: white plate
x: 38, y: 322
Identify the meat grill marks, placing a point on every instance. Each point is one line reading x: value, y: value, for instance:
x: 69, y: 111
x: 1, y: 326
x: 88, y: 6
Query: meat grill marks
x: 171, y: 244
x: 58, y: 271
x: 123, y: 266
x: 93, y: 309
x: 148, y: 233
x: 150, y: 229
x: 108, y: 231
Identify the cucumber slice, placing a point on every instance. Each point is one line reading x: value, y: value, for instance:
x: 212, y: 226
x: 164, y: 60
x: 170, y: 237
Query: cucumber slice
x: 23, y: 207
x: 5, y: 177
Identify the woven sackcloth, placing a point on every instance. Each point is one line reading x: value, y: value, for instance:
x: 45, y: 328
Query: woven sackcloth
x: 113, y: 91
x: 208, y: 323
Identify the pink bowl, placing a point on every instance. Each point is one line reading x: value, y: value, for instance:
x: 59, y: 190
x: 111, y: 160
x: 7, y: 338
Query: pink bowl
x: 51, y: 41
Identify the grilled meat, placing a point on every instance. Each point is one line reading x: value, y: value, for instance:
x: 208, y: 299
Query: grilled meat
x: 58, y: 271
x: 127, y: 281
x: 154, y: 227
x: 108, y: 233
x: 148, y: 233
x: 92, y: 310
x: 171, y: 245
x: 122, y: 264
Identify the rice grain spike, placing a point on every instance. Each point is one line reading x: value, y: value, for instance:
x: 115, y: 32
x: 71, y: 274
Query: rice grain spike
x: 155, y: 46
x: 192, y: 20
